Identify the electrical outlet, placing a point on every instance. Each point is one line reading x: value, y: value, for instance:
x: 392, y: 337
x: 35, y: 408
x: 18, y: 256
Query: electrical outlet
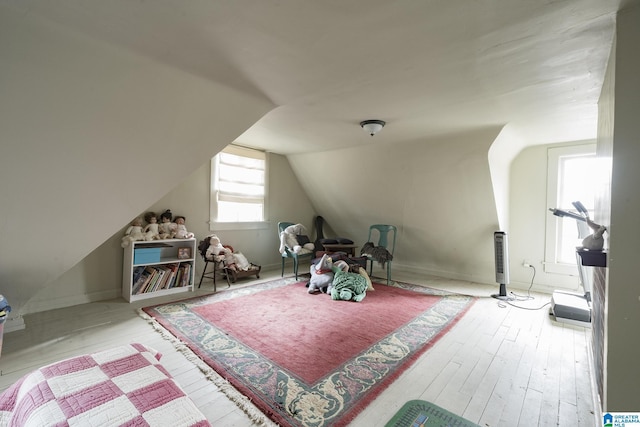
x: 525, y: 263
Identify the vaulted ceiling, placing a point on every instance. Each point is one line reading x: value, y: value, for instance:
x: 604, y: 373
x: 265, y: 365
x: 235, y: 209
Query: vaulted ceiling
x: 428, y: 68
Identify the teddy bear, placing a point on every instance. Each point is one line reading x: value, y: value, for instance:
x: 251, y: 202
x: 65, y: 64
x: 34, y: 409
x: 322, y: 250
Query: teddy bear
x: 294, y: 238
x: 133, y: 233
x: 321, y: 275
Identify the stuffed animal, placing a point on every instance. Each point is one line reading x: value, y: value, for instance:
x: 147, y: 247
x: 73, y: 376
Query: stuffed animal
x: 349, y: 286
x: 133, y: 233
x: 295, y: 239
x: 595, y: 241
x: 321, y: 275
x: 181, y: 229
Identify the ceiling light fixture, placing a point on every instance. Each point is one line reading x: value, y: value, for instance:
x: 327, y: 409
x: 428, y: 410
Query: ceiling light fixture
x: 372, y: 126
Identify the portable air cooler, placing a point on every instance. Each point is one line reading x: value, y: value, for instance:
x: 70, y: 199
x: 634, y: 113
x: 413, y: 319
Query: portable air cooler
x: 501, y: 255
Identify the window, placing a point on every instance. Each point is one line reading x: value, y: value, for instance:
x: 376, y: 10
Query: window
x: 238, y: 188
x: 574, y: 174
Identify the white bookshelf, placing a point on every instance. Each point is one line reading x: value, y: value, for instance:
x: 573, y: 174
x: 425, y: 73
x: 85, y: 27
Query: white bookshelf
x: 172, y: 274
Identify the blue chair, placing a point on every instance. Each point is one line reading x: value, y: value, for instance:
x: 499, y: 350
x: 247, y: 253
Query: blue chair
x: 288, y: 254
x: 386, y: 239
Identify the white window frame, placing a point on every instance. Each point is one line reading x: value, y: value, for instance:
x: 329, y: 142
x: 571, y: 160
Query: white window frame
x: 214, y: 224
x: 554, y: 154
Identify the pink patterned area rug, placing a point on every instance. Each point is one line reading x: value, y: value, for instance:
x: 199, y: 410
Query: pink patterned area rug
x: 307, y: 360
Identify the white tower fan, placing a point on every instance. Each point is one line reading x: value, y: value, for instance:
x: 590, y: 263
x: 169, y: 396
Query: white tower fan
x: 501, y: 255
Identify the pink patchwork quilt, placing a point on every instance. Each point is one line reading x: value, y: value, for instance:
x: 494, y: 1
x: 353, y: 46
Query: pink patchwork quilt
x: 123, y: 386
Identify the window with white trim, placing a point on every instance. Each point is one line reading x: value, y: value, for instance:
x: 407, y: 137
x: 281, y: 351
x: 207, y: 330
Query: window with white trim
x: 574, y: 173
x: 238, y: 188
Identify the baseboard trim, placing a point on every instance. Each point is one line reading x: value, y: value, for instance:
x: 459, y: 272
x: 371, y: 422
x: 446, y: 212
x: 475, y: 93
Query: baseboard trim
x: 14, y: 323
x: 55, y: 303
x: 597, y: 402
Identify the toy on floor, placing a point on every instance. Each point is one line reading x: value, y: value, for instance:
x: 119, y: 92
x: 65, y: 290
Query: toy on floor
x: 321, y: 275
x: 348, y: 286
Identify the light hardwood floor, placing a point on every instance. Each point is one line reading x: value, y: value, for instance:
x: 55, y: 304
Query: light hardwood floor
x: 499, y: 366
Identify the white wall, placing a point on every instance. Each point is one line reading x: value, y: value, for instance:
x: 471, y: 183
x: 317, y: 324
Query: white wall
x: 99, y: 275
x: 90, y: 135
x: 623, y: 286
x: 504, y: 149
x: 438, y: 193
x: 529, y: 211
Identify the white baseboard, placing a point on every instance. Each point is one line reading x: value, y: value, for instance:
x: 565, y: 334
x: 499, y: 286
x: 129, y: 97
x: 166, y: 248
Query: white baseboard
x: 597, y: 402
x: 55, y: 303
x: 14, y: 323
x: 489, y: 281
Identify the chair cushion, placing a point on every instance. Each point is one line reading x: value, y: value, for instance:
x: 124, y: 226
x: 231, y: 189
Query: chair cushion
x: 302, y: 239
x: 344, y: 241
x: 328, y: 241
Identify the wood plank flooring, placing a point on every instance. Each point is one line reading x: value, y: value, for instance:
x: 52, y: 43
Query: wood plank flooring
x: 499, y: 366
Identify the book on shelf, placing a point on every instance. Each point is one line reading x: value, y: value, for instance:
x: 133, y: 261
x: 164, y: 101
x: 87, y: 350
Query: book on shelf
x: 154, y: 278
x: 151, y: 273
x: 138, y: 279
x: 186, y: 277
x: 171, y: 277
x: 160, y: 272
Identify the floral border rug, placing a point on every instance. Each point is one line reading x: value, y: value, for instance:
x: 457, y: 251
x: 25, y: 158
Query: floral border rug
x: 262, y: 363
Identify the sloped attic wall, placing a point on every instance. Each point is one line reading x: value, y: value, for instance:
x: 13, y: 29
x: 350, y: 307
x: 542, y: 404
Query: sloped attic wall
x: 99, y: 275
x: 438, y: 193
x: 92, y: 135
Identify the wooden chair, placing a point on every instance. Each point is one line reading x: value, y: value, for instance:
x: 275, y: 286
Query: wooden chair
x: 217, y: 267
